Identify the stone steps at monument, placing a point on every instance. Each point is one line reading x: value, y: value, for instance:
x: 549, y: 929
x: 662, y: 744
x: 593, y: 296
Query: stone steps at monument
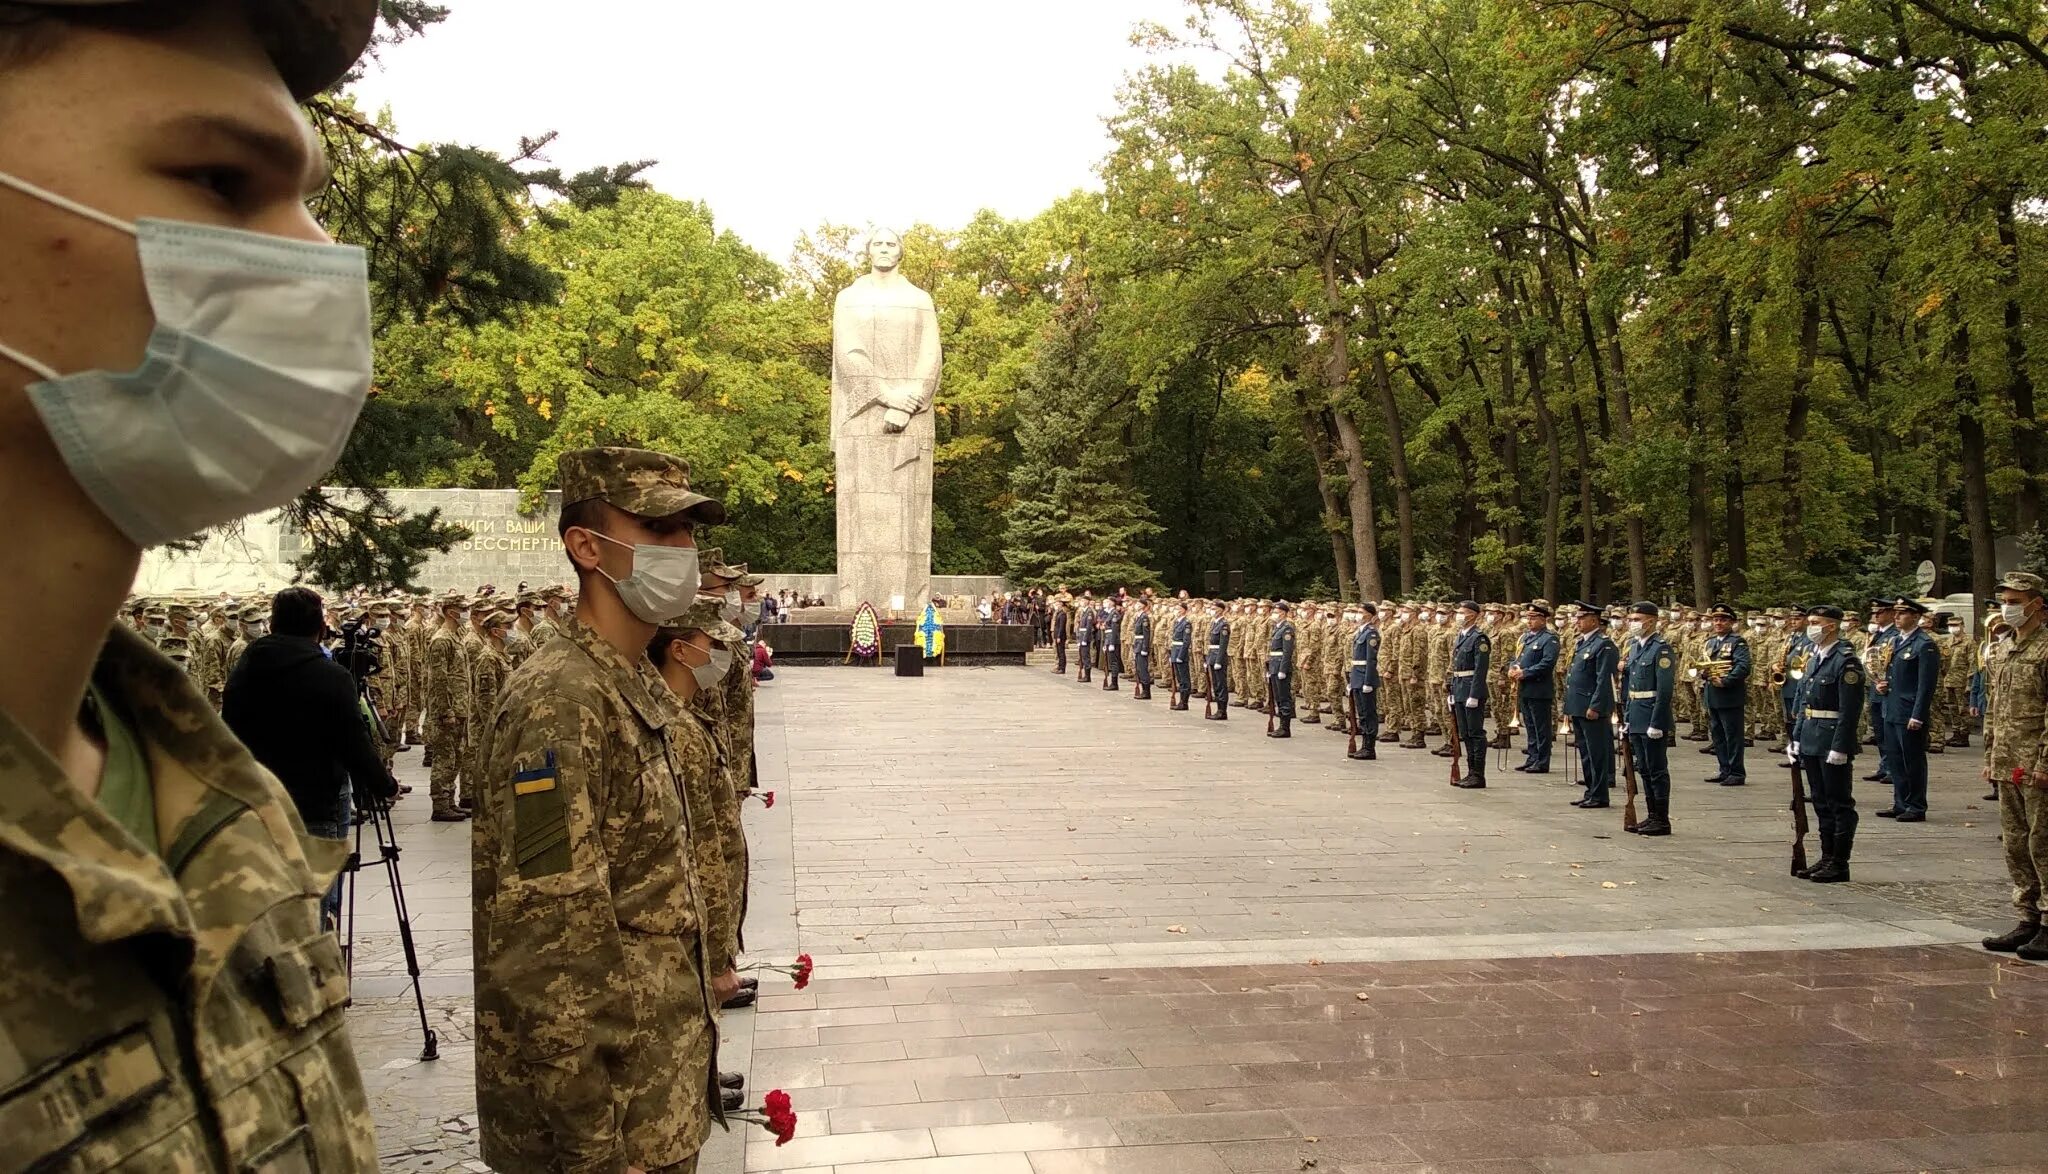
x: 1043, y: 657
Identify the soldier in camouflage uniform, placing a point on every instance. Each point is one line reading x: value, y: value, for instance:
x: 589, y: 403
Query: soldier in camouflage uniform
x: 448, y: 712
x: 1504, y: 634
x: 1308, y: 662
x: 251, y: 621
x: 170, y: 1001
x: 493, y: 665
x: 1950, y: 724
x: 1398, y: 668
x: 401, y: 668
x: 1436, y: 680
x: 2016, y: 758
x: 209, y: 645
x: 595, y: 1044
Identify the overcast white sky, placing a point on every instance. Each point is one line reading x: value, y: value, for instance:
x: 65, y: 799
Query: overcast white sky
x: 782, y: 114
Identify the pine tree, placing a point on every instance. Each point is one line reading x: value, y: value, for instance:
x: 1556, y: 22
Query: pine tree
x: 1076, y: 518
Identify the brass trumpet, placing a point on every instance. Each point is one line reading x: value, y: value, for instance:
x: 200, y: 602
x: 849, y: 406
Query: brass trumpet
x: 1712, y: 670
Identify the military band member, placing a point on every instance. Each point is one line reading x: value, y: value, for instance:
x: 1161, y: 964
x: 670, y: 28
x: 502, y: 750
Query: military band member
x: 1797, y: 650
x: 1471, y: 656
x: 1177, y: 655
x: 1589, y: 699
x: 2016, y: 757
x: 1216, y: 664
x: 1649, y: 677
x: 1141, y: 651
x: 1824, y: 738
x: 1534, y: 674
x: 1363, y: 681
x: 1280, y: 670
x: 1905, y: 698
x: 1725, y: 669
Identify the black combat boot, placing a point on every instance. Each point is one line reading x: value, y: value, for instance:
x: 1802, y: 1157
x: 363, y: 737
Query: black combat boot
x: 1659, y: 823
x: 1827, y: 857
x: 1312, y: 718
x: 1390, y: 736
x: 1835, y: 868
x: 2014, y: 938
x: 2036, y: 950
x: 1283, y: 731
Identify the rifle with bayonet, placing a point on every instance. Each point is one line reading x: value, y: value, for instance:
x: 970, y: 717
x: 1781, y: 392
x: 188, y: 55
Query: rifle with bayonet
x: 1798, y: 816
x: 1351, y: 700
x: 1628, y: 774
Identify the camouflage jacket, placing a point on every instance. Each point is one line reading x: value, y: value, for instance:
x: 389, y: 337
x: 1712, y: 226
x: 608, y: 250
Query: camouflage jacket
x: 171, y: 1006
x: 736, y: 695
x: 492, y: 667
x: 594, y: 1040
x: 446, y: 690
x: 2016, y: 708
x: 724, y: 860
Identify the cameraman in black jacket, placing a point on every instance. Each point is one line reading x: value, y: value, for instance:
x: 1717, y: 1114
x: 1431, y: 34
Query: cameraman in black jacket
x: 299, y: 713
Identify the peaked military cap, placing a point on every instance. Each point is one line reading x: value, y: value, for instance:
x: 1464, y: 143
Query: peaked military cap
x: 1878, y: 605
x: 640, y: 481
x: 1721, y: 611
x: 1642, y: 607
x: 704, y: 616
x: 1588, y: 606
x: 1911, y: 605
x: 1366, y: 606
x: 1538, y: 608
x: 1825, y: 611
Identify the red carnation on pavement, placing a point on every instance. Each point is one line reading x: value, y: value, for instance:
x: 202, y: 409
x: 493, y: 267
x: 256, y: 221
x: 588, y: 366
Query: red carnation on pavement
x: 776, y: 1114
x: 768, y: 800
x: 802, y: 973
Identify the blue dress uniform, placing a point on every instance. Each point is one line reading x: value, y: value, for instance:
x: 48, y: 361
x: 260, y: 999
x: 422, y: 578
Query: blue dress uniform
x: 1363, y: 680
x: 1537, y: 691
x: 1910, y: 680
x: 1216, y: 662
x: 1726, y: 694
x: 1177, y: 657
x: 1280, y: 673
x: 1830, y: 706
x: 1648, y: 675
x: 1084, y: 636
x: 1111, y: 640
x: 1471, y: 658
x: 1141, y: 655
x: 1589, y: 689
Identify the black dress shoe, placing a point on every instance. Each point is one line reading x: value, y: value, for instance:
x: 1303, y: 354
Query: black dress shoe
x: 731, y: 1080
x: 1471, y: 784
x: 1735, y: 782
x: 1991, y: 797
x: 1592, y: 804
x: 1538, y: 770
x: 1521, y: 770
x: 732, y: 1100
x: 742, y: 1000
x: 1888, y: 813
x: 1717, y: 778
x: 2014, y: 938
x: 1654, y: 826
x: 1911, y: 817
x: 748, y: 982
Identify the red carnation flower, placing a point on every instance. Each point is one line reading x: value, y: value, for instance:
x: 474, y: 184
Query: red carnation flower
x: 777, y: 1102
x: 802, y: 974
x: 768, y: 799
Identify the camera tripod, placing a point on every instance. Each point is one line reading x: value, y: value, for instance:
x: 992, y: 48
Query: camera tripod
x: 376, y: 814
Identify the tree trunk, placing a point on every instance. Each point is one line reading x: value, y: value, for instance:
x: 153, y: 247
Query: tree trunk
x: 1624, y: 429
x: 1365, y: 547
x: 2019, y: 382
x: 1939, y: 530
x: 1976, y: 489
x: 1315, y: 433
x: 1794, y: 537
x: 1734, y: 518
x: 1390, y: 419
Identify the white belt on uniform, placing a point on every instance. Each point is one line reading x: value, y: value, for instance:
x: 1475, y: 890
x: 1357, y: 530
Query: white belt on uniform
x: 1641, y: 695
x: 1830, y: 714
x: 1464, y: 672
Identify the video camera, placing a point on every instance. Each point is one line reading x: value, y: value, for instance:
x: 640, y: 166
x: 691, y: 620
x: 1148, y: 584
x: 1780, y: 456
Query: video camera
x: 361, y: 652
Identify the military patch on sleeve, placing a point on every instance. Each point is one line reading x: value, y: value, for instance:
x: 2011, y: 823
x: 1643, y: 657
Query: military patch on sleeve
x: 1663, y: 662
x: 1484, y: 644
x: 1852, y: 677
x: 540, y: 821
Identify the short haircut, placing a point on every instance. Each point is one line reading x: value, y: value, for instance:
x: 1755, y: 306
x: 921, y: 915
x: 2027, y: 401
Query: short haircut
x: 297, y: 611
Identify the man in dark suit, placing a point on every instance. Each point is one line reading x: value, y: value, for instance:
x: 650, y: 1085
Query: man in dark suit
x: 1363, y: 681
x: 1177, y: 656
x: 1726, y: 694
x: 1535, y: 675
x: 1824, y: 738
x: 1216, y: 662
x: 1906, y: 697
x: 1589, y: 699
x: 1471, y: 657
x: 1280, y: 670
x: 1084, y: 637
x: 1110, y: 638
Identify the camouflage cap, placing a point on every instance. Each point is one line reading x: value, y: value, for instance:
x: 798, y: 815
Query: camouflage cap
x: 255, y: 613
x: 312, y: 42
x: 704, y: 616
x: 639, y: 481
x: 530, y: 599
x: 2022, y: 581
x: 452, y: 599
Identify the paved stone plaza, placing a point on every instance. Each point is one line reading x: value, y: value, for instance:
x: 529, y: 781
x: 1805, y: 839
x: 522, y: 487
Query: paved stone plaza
x: 1058, y: 930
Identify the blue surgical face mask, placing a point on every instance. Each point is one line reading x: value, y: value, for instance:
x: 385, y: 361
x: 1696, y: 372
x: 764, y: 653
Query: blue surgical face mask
x: 251, y: 381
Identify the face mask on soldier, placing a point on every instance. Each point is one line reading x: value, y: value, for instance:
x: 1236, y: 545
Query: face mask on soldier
x: 1814, y: 632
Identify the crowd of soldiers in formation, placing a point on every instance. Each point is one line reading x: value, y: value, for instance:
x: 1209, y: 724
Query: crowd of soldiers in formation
x: 1415, y: 644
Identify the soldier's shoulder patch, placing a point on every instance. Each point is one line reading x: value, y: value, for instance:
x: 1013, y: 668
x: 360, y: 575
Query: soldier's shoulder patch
x: 1851, y: 676
x: 539, y: 820
x: 1663, y: 660
x: 1484, y: 643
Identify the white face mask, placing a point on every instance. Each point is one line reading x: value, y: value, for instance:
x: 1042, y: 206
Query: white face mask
x: 1814, y: 632
x: 1635, y: 627
x: 663, y: 584
x: 251, y: 381
x: 1871, y: 627
x: 750, y: 612
x: 729, y: 610
x: 712, y: 671
x: 2013, y: 613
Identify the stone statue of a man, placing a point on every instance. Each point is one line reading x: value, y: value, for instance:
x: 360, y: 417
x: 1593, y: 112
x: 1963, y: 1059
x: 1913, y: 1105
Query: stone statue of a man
x: 885, y: 371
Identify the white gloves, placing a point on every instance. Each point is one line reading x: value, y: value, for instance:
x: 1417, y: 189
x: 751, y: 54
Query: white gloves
x: 1837, y: 758
x: 1654, y: 733
x: 1471, y: 703
x: 1791, y: 756
x: 1365, y: 688
x: 1283, y: 676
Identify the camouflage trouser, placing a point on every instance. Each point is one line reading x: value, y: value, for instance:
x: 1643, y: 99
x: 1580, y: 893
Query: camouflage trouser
x: 1501, y: 701
x: 2023, y: 817
x: 446, y: 745
x: 1429, y: 704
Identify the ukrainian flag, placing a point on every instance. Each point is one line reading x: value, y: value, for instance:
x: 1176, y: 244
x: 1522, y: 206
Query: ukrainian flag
x: 932, y: 633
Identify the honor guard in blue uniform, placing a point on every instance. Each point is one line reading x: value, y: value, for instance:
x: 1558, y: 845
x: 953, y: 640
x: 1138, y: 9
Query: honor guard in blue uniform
x: 1177, y: 656
x: 1110, y: 639
x: 1876, y: 661
x: 1216, y: 662
x: 1649, y: 673
x: 1535, y: 675
x: 1726, y: 695
x: 1824, y: 738
x: 1141, y: 652
x: 1589, y: 700
x: 1471, y: 658
x: 1280, y: 671
x: 1911, y: 677
x: 1084, y: 635
x: 1363, y: 680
